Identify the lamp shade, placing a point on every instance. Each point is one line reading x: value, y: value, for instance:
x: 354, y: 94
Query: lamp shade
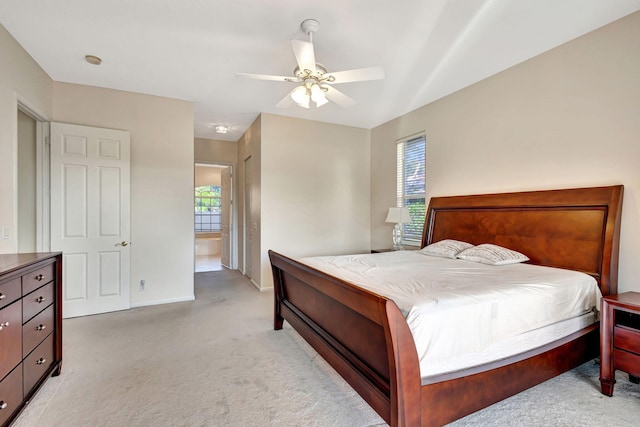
x: 301, y: 96
x: 398, y: 215
x: 317, y: 95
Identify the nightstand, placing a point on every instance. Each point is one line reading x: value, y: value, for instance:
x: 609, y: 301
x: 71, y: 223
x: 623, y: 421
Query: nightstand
x: 619, y: 339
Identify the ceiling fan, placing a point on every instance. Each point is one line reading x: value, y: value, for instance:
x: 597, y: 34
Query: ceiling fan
x: 315, y: 81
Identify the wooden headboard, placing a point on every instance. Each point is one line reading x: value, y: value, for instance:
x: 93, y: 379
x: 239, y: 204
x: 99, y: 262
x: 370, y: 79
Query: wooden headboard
x: 577, y: 229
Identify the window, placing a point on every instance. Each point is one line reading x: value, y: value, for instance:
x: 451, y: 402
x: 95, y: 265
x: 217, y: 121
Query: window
x: 207, y: 208
x: 411, y: 185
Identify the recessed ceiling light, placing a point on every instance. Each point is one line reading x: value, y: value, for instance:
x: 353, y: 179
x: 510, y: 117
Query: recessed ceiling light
x: 93, y: 59
x: 221, y: 129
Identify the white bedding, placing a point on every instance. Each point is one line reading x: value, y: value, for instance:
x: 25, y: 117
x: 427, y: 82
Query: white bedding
x: 458, y: 309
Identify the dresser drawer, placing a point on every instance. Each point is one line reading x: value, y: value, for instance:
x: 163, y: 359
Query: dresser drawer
x: 626, y: 339
x: 36, y: 301
x: 35, y: 365
x: 37, y: 329
x: 10, y: 291
x: 10, y: 337
x: 10, y: 394
x: 33, y: 280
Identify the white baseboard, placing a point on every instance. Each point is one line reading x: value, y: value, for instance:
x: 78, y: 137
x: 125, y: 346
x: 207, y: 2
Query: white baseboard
x: 163, y: 301
x: 258, y: 286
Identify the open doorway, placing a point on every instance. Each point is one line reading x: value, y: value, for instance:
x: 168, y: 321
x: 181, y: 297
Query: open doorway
x: 32, y: 213
x: 212, y: 217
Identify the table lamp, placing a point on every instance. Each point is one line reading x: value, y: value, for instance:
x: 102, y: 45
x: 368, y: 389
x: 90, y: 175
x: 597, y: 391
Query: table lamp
x: 398, y: 216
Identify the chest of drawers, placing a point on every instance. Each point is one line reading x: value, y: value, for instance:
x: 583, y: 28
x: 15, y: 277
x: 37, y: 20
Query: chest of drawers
x: 30, y: 327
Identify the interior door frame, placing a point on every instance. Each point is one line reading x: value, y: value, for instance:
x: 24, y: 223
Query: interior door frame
x: 247, y: 268
x: 233, y: 253
x: 43, y: 238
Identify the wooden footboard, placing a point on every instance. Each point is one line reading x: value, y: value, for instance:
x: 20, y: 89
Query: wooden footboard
x: 363, y: 336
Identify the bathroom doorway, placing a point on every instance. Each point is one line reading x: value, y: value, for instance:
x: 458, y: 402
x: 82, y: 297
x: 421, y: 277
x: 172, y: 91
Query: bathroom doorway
x: 213, y: 216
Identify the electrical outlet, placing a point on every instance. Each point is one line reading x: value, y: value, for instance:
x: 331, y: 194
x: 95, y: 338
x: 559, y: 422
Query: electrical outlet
x: 142, y: 285
x: 5, y: 232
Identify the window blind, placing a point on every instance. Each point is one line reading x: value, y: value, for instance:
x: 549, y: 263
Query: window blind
x: 411, y: 185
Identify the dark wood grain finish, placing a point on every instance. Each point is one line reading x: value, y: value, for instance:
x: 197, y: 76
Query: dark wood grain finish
x: 619, y: 342
x: 365, y: 337
x: 627, y: 361
x: 10, y: 394
x: 37, y: 301
x: 37, y: 363
x: 35, y: 279
x: 10, y: 337
x: 577, y: 229
x: 627, y: 338
x: 36, y: 327
x: 10, y: 291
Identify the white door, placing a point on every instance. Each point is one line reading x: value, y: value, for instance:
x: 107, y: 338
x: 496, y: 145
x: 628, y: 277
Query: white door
x: 225, y: 217
x: 90, y: 217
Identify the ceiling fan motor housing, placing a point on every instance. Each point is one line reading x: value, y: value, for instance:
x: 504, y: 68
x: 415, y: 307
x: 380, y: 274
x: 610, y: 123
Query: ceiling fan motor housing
x: 310, y: 26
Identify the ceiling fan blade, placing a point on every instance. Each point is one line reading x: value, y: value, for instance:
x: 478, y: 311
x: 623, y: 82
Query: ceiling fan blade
x: 338, y: 97
x: 267, y: 77
x: 305, y: 55
x: 286, y: 101
x: 358, y: 75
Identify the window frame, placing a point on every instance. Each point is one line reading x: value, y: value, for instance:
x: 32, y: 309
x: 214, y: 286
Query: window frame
x: 412, y: 232
x: 211, y: 213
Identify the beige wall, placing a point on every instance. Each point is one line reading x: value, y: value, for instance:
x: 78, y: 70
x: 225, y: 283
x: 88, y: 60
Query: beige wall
x: 567, y: 118
x: 162, y: 171
x: 215, y: 151
x: 314, y: 189
x: 21, y: 79
x: 207, y: 175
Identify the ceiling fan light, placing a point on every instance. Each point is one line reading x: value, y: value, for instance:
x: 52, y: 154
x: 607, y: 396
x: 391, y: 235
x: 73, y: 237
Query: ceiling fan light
x: 305, y: 102
x: 317, y: 95
x: 299, y: 95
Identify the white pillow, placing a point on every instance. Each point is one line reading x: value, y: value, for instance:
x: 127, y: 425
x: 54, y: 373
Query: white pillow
x: 492, y: 254
x: 447, y: 248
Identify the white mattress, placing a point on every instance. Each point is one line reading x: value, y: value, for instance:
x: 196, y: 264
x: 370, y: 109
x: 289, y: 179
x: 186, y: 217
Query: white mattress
x: 462, y: 313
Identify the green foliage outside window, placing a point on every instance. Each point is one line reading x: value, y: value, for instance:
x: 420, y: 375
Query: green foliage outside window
x: 208, y: 198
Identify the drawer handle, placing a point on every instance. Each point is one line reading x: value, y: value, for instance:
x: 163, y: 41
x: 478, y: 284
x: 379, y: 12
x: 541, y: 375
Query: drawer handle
x: 40, y: 299
x: 41, y: 361
x: 39, y: 277
x: 3, y: 404
x: 3, y: 325
x: 2, y: 296
x: 41, y: 327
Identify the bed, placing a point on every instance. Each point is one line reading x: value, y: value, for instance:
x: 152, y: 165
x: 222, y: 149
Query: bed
x: 365, y: 337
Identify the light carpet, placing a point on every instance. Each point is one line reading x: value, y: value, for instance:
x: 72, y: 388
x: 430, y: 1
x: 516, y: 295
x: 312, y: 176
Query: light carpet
x: 217, y: 361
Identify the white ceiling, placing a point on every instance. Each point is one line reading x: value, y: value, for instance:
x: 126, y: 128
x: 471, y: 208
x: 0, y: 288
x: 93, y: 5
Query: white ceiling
x: 191, y: 49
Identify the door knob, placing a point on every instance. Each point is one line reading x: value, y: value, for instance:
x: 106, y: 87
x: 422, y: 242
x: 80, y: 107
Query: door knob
x: 123, y: 243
